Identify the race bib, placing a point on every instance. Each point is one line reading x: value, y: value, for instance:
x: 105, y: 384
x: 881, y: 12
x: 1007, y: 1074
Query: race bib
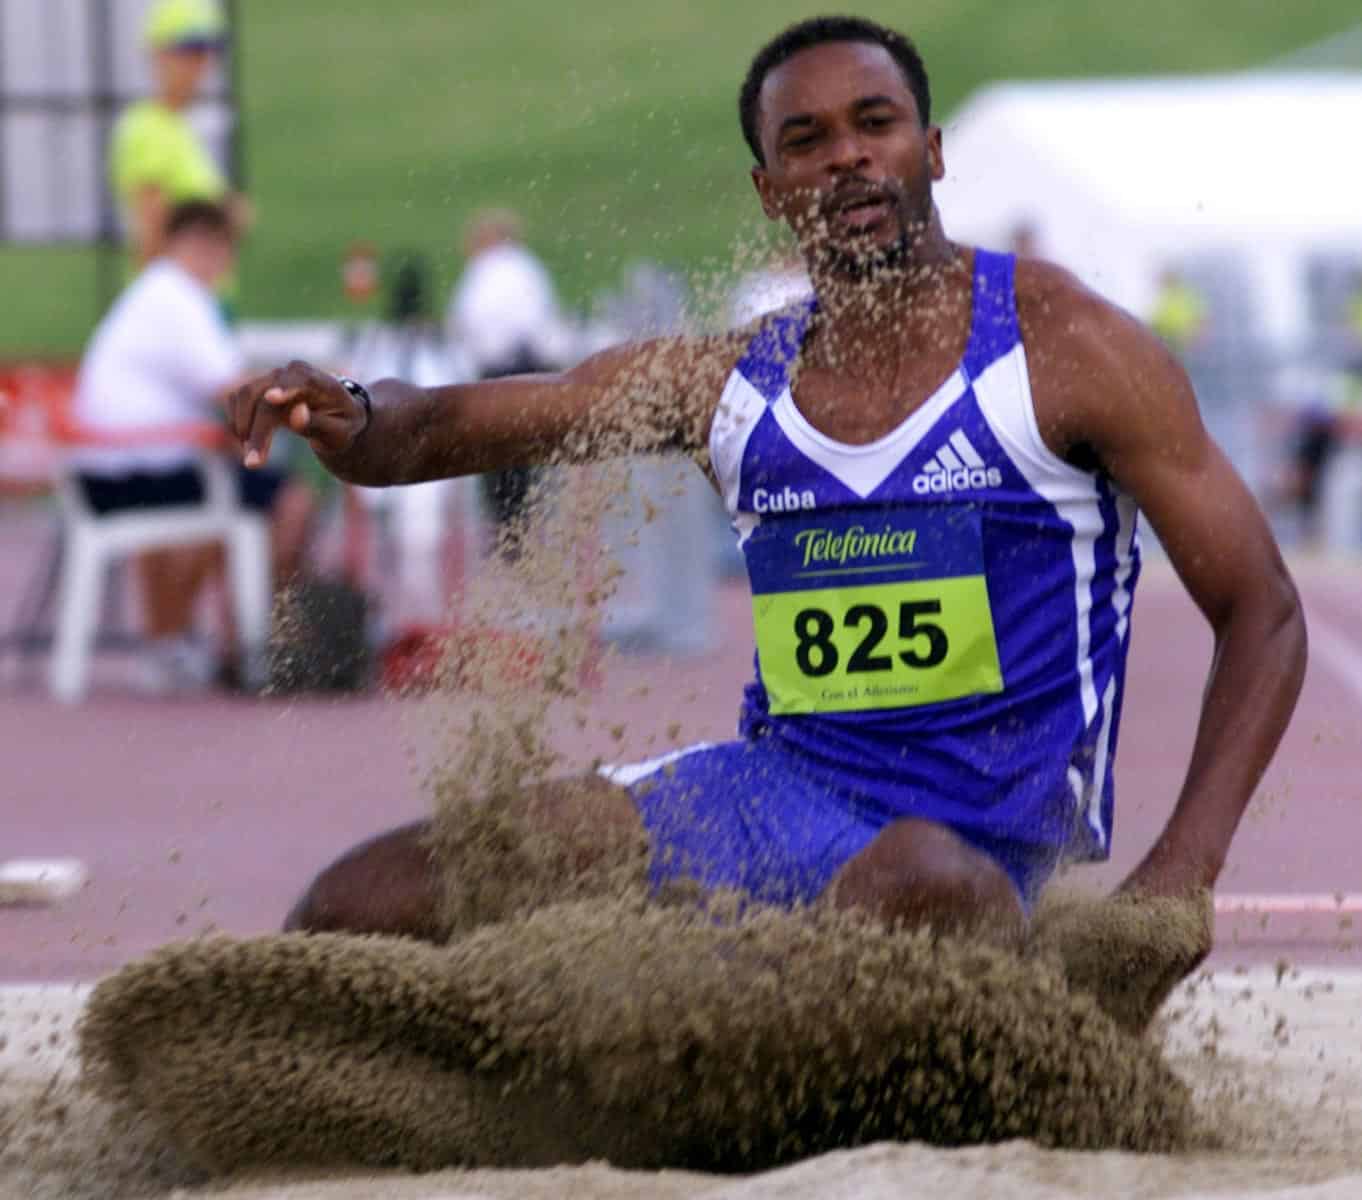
x: 852, y: 615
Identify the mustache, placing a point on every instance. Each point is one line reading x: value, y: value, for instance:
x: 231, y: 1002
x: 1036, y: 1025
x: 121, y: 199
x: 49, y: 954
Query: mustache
x: 856, y: 190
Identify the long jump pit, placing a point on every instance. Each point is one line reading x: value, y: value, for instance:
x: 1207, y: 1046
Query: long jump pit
x: 621, y: 1048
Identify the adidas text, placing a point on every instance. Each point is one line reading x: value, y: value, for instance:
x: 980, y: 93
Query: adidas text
x: 963, y: 479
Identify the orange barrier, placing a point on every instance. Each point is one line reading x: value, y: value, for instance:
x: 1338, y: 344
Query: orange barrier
x: 35, y: 402
x: 34, y: 389
x: 36, y: 419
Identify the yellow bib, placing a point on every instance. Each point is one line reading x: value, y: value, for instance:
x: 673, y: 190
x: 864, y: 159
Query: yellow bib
x: 850, y: 618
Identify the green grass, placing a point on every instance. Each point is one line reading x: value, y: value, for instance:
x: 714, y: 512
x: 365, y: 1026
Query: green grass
x: 611, y: 125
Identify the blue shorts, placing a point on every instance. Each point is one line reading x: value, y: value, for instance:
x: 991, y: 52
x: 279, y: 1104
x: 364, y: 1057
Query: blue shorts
x: 743, y: 815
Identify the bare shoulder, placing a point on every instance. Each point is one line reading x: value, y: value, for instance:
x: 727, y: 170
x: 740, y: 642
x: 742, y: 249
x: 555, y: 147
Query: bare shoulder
x: 1062, y: 316
x: 1095, y: 369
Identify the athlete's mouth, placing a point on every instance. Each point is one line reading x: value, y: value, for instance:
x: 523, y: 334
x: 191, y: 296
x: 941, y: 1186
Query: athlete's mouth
x: 858, y: 207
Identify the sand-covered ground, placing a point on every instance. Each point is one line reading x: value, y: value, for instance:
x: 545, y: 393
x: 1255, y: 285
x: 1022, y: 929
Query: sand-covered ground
x: 1275, y: 1067
x: 1274, y: 1064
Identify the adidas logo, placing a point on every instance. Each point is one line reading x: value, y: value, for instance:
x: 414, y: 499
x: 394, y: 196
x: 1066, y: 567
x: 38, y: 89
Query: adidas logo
x: 956, y: 467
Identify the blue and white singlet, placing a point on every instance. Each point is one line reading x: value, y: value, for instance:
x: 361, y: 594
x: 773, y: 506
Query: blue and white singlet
x: 942, y: 616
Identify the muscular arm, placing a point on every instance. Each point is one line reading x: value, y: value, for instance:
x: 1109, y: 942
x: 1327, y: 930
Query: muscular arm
x: 1105, y: 385
x: 639, y: 398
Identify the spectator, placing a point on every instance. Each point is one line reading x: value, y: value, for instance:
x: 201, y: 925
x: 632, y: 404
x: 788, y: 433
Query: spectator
x: 1179, y: 315
x: 1352, y: 321
x: 1024, y: 240
x: 407, y: 344
x: 661, y: 525
x: 504, y: 315
x: 153, y: 374
x: 503, y: 310
x: 156, y: 160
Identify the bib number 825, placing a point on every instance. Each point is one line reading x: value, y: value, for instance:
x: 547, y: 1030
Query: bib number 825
x: 817, y: 654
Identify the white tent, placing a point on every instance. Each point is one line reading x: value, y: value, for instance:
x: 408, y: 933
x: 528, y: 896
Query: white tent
x: 1119, y: 179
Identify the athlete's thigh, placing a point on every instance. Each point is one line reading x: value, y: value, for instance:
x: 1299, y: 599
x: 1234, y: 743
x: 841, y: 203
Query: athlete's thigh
x: 593, y: 815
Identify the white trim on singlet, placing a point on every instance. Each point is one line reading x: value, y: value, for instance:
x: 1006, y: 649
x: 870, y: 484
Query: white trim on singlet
x: 1003, y: 392
x: 628, y: 774
x: 862, y: 468
x: 740, y: 408
x: 1101, y: 764
x: 1127, y: 545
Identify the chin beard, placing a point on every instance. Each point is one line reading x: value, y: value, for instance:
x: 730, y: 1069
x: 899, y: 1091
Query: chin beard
x: 866, y: 262
x: 860, y: 265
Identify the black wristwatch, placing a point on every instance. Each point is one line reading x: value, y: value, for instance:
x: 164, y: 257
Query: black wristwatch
x: 360, y: 393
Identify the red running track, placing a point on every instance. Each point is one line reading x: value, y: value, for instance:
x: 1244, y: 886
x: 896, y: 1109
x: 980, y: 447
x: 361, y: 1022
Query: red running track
x: 211, y: 813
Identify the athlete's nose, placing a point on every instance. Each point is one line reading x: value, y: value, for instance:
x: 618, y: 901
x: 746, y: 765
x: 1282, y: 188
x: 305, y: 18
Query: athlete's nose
x: 846, y: 153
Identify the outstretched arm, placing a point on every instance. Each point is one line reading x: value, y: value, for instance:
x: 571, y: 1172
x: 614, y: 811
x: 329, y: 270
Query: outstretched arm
x: 639, y: 398
x: 1112, y: 389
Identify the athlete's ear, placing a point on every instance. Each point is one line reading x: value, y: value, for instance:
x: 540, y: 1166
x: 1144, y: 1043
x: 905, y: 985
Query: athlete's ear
x: 762, y: 182
x: 936, y: 157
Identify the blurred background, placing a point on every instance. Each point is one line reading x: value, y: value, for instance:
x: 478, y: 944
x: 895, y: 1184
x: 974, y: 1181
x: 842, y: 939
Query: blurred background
x: 611, y: 129
x: 443, y: 190
x: 446, y: 191
x: 1189, y: 161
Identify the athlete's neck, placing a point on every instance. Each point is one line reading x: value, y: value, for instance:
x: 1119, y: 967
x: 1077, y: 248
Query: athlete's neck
x: 869, y: 324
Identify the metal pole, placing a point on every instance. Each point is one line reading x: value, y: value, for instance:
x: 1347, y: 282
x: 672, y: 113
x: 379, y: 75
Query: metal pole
x: 4, y: 158
x: 237, y: 143
x: 108, y: 275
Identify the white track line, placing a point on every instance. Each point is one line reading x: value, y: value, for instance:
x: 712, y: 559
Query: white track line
x: 1335, y: 651
x: 1329, y: 903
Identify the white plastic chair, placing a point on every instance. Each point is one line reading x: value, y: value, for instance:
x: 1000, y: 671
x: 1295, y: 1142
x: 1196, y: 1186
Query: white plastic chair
x: 90, y: 542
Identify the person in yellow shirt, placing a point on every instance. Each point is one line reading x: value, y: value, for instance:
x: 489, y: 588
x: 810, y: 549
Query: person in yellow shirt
x: 156, y: 159
x: 1179, y: 315
x: 1355, y: 314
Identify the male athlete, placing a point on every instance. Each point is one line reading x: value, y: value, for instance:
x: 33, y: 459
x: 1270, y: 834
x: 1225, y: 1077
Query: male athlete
x: 933, y: 469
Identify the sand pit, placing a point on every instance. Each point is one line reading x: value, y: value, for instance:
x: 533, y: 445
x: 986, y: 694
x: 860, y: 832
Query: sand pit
x: 651, y: 1036
x: 1275, y: 1062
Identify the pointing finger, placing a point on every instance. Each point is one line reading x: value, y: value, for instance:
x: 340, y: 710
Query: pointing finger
x: 261, y: 434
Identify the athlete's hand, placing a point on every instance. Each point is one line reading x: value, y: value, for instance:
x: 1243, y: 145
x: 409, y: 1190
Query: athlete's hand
x: 310, y: 402
x: 1128, y: 951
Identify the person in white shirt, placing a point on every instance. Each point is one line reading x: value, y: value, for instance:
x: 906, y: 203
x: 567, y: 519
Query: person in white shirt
x: 503, y: 309
x: 504, y: 316
x: 150, y: 388
x: 408, y: 344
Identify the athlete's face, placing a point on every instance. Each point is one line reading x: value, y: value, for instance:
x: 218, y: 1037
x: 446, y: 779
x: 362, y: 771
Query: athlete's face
x: 849, y: 163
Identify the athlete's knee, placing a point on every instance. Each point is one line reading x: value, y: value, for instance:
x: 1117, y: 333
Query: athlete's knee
x: 387, y: 885
x: 326, y: 906
x: 921, y: 873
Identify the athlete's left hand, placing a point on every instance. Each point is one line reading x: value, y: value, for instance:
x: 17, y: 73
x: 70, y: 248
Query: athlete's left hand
x: 1128, y: 952
x: 1167, y: 875
x: 311, y: 402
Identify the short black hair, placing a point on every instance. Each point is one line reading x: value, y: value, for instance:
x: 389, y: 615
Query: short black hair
x: 200, y: 216
x: 817, y: 31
